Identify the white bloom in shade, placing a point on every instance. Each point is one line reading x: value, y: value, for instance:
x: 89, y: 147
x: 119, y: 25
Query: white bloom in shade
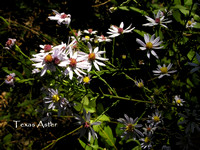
x: 53, y: 99
x: 178, y: 100
x: 10, y: 42
x: 48, y: 61
x: 10, y: 79
x: 163, y: 71
x: 190, y: 23
x: 74, y: 64
x: 159, y: 19
x: 155, y: 118
x: 94, y: 57
x: 45, y: 48
x: 61, y: 18
x: 102, y: 38
x: 87, y: 38
x: 139, y: 83
x: 116, y: 31
x: 149, y: 128
x: 90, y: 31
x: 150, y: 44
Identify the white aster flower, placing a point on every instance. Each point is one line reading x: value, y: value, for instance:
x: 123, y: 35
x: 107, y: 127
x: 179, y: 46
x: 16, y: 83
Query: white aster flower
x: 48, y: 61
x: 90, y: 31
x: 10, y: 79
x: 162, y: 71
x: 87, y: 38
x: 53, y: 98
x: 45, y: 48
x: 94, y: 57
x: 74, y: 64
x: 190, y: 23
x: 155, y: 118
x: 159, y: 19
x: 102, y: 38
x: 61, y: 18
x: 150, y: 44
x: 178, y: 100
x: 139, y: 83
x: 116, y: 31
x: 149, y: 128
x: 10, y: 42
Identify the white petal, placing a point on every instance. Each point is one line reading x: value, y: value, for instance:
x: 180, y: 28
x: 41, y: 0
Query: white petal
x: 154, y: 53
x: 121, y: 25
x: 140, y: 42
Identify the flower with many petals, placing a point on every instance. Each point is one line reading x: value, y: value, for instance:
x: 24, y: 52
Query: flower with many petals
x: 48, y: 61
x: 139, y: 83
x: 87, y: 125
x: 163, y: 71
x: 10, y: 79
x: 146, y: 141
x: 178, y: 100
x: 159, y: 19
x: 155, y: 119
x: 90, y: 31
x: 10, y: 42
x: 74, y: 63
x: 102, y: 38
x: 61, y: 18
x: 94, y: 57
x: 130, y: 129
x: 150, y: 44
x: 53, y: 99
x: 190, y: 23
x: 115, y: 31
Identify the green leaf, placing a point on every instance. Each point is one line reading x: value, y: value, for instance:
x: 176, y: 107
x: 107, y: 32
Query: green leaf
x: 191, y: 54
x: 104, y: 118
x: 177, y: 16
x: 138, y: 10
x: 7, y: 138
x: 2, y: 18
x: 188, y: 2
x: 82, y: 143
x: 85, y: 100
x: 139, y: 32
x: 13, y: 71
x: 109, y: 136
x: 123, y: 8
x: 197, y: 25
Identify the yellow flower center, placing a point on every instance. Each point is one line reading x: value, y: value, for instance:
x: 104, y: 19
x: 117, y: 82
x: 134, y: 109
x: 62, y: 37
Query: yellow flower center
x: 189, y: 23
x: 55, y: 98
x: 86, y: 79
x: 149, y: 45
x: 163, y: 69
x: 178, y: 101
x: 87, y: 38
x: 48, y: 58
x: 130, y: 127
x: 72, y: 62
x: 146, y: 140
x: 156, y: 118
x: 91, y: 56
x: 140, y: 85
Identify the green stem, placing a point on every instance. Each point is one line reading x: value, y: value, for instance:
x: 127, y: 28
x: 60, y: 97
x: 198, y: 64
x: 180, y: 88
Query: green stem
x: 113, y: 51
x: 105, y: 82
x: 135, y: 81
x: 128, y: 99
x: 19, y: 50
x: 54, y: 141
